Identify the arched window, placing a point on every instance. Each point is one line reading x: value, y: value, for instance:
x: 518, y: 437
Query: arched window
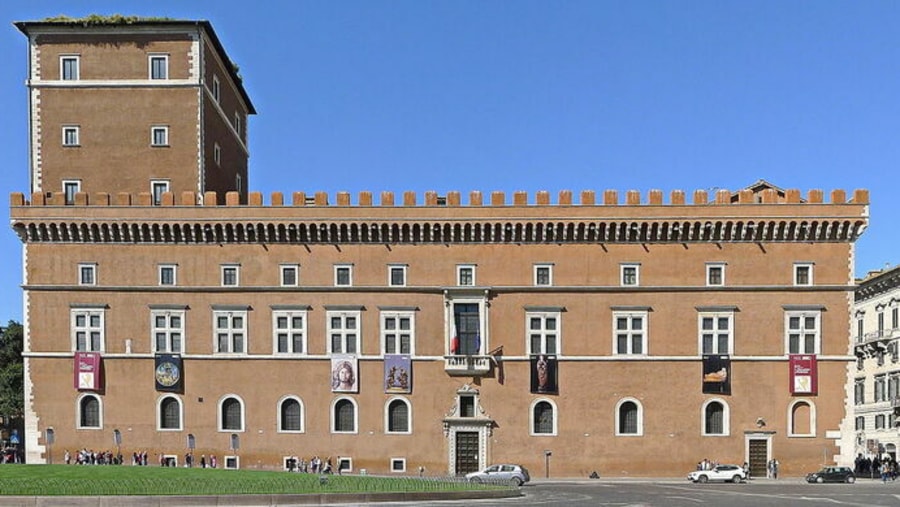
x: 89, y: 414
x: 343, y: 416
x: 231, y: 414
x: 398, y: 416
x: 169, y: 413
x: 802, y: 419
x: 715, y: 418
x: 629, y: 419
x: 290, y: 415
x: 543, y: 418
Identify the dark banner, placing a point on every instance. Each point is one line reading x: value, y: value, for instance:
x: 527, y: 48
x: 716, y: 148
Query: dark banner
x: 544, y: 374
x: 804, y: 374
x: 717, y: 374
x: 169, y: 374
x: 88, y: 371
x: 397, y: 373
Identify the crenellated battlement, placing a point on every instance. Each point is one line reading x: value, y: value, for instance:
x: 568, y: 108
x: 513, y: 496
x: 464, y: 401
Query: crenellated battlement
x: 453, y: 198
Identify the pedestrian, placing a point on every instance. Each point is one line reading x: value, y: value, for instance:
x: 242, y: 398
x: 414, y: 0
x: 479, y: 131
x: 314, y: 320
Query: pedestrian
x: 203, y: 461
x: 67, y: 457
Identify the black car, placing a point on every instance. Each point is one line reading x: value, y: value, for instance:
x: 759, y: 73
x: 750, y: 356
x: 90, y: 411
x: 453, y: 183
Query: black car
x: 832, y: 474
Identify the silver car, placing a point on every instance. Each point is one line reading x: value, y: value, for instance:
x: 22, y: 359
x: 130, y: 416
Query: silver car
x: 515, y: 474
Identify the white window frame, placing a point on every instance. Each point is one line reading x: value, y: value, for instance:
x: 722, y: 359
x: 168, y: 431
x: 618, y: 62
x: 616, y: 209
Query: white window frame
x: 812, y: 419
x: 645, y: 332
x: 640, y: 418
x: 387, y: 416
x: 278, y: 414
x: 163, y: 131
x: 159, y: 401
x: 340, y: 460
x: 710, y: 267
x: 90, y: 269
x: 337, y: 269
x: 167, y: 330
x: 219, y: 419
x: 283, y: 269
x: 401, y: 469
x: 162, y: 268
x: 290, y: 330
x: 403, y: 268
x: 333, y: 422
x: 216, y: 88
x: 237, y: 123
x: 75, y: 186
x: 75, y: 131
x: 230, y: 331
x: 237, y: 274
x: 394, y: 334
x: 99, y: 411
x: 343, y: 331
x: 802, y: 315
x: 623, y: 268
x: 537, y: 279
x: 543, y: 331
x: 88, y: 328
x: 157, y: 56
x: 157, y: 189
x: 810, y: 270
x: 62, y: 66
x: 460, y: 269
x: 228, y: 459
x: 555, y: 428
x: 726, y: 418
x: 715, y: 316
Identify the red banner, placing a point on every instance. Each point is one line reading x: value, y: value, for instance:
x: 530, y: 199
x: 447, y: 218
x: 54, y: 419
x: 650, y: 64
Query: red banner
x: 87, y: 371
x: 804, y: 374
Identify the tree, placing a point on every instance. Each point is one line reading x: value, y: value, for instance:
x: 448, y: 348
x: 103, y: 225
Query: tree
x: 12, y: 396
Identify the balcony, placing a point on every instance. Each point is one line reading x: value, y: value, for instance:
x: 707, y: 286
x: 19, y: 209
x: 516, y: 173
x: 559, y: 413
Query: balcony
x: 464, y: 366
x: 875, y: 341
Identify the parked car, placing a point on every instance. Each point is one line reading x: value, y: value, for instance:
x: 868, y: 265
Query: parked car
x: 832, y: 474
x: 516, y: 474
x: 725, y: 473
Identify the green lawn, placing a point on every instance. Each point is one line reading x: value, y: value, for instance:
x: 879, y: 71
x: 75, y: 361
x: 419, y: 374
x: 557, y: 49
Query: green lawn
x: 75, y: 480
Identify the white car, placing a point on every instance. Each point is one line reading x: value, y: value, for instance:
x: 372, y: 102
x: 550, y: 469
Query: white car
x: 515, y: 474
x: 726, y: 473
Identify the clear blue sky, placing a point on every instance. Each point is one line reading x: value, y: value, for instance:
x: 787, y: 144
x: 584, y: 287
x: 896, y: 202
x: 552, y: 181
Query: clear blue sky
x: 524, y: 95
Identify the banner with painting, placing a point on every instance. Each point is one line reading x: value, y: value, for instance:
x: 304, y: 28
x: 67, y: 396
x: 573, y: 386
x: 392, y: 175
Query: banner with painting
x: 397, y: 373
x: 344, y: 374
x: 717, y: 374
x: 88, y: 371
x: 168, y: 373
x: 804, y: 374
x: 544, y: 374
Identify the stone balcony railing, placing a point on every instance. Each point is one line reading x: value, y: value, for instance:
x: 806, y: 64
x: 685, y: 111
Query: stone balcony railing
x: 467, y: 365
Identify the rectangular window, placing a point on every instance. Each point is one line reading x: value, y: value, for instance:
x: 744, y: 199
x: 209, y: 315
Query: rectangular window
x: 630, y: 332
x: 289, y: 330
x: 159, y: 66
x: 87, y: 330
x: 217, y: 154
x: 802, y: 332
x: 716, y: 332
x: 880, y: 391
x: 860, y: 423
x: 543, y: 332
x: 543, y: 275
x: 879, y: 422
x: 290, y: 275
x: 157, y: 189
x: 343, y: 275
x: 343, y: 332
x: 168, y: 274
x: 465, y: 275
x: 880, y: 324
x: 630, y: 274
x: 466, y: 405
x: 68, y: 67
x: 70, y: 188
x: 167, y: 327
x: 87, y: 274
x: 893, y: 386
x: 859, y: 392
x: 231, y: 275
x: 398, y: 465
x: 238, y: 183
x: 71, y: 135
x: 715, y: 274
x: 397, y: 332
x: 230, y: 328
x: 237, y: 123
x: 860, y: 330
x: 803, y: 273
x: 397, y: 275
x: 895, y: 318
x: 159, y: 135
x: 216, y: 88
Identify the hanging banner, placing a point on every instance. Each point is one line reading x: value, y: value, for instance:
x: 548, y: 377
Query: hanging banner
x: 397, y: 373
x: 169, y: 373
x: 717, y: 374
x: 804, y: 374
x: 544, y: 374
x: 343, y: 374
x: 88, y: 371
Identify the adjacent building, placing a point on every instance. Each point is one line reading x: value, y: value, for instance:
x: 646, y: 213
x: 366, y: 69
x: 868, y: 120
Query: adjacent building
x: 628, y: 335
